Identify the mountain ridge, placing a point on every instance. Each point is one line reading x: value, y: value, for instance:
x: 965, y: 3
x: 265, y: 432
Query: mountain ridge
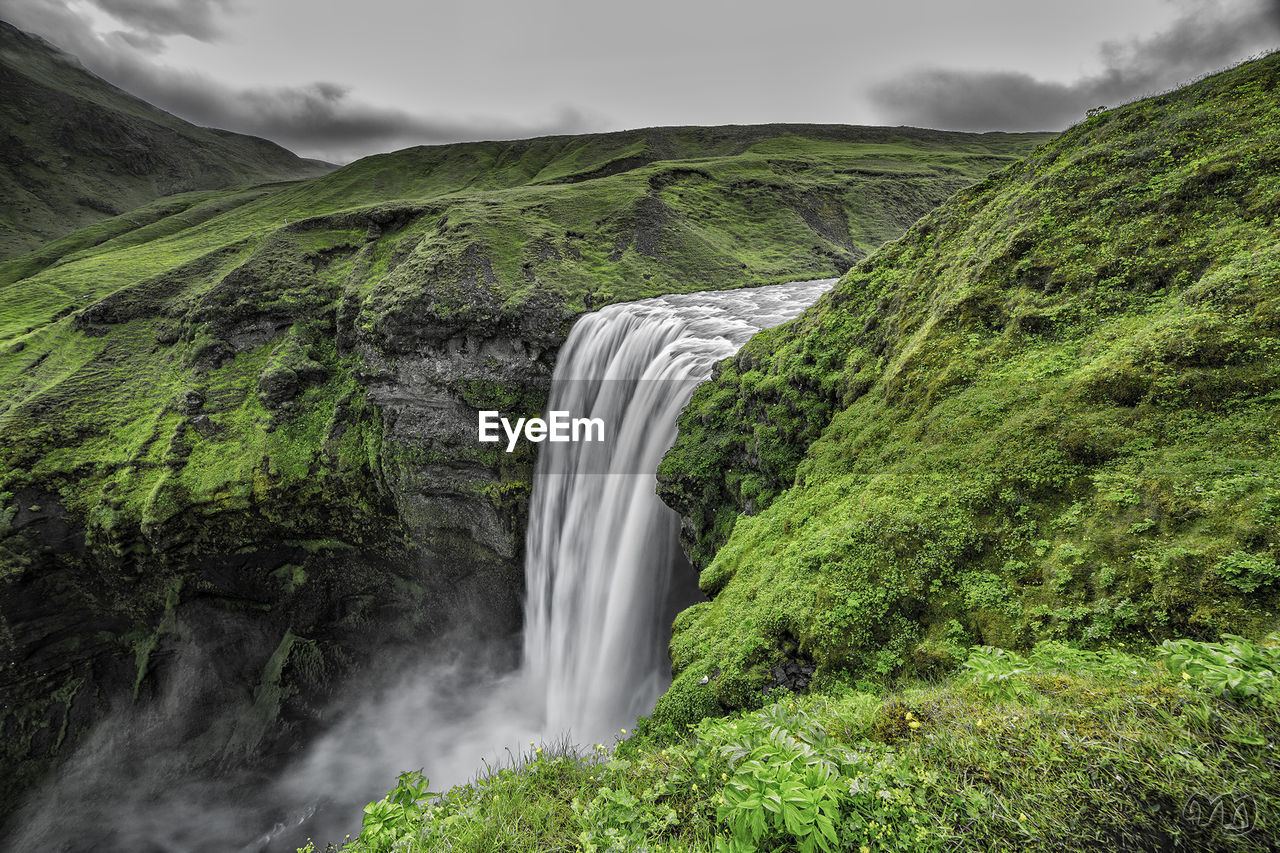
x: 78, y: 149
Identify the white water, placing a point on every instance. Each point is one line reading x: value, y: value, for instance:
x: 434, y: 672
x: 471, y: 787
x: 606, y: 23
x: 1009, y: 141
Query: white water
x: 603, y: 563
x: 604, y: 576
x: 602, y: 549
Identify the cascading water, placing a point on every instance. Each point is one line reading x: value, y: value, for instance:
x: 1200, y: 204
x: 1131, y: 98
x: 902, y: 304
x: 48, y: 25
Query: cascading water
x: 603, y: 565
x: 604, y: 574
x: 602, y: 549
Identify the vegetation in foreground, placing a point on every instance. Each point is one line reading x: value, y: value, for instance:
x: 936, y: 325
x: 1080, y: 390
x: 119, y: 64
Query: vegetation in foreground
x: 1060, y: 749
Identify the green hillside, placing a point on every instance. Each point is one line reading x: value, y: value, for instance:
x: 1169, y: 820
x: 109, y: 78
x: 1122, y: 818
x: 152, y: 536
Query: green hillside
x: 452, y: 238
x: 1049, y: 411
x: 256, y: 406
x: 77, y: 150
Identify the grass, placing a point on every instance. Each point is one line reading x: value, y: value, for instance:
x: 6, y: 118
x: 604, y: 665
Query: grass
x: 1062, y: 750
x: 105, y: 328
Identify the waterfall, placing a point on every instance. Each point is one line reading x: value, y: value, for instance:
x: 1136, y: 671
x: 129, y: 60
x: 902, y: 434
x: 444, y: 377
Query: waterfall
x: 603, y: 565
x: 605, y: 578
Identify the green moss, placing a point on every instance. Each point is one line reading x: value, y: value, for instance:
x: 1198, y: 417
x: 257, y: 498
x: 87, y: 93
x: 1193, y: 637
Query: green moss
x: 1048, y: 411
x: 147, y: 641
x: 250, y: 303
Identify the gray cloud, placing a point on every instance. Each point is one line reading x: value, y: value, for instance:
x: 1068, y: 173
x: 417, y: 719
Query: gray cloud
x: 194, y: 18
x: 1207, y: 34
x: 321, y: 119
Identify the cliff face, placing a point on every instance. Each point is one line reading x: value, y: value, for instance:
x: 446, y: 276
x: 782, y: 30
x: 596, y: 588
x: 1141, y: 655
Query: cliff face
x: 1048, y: 411
x: 237, y: 429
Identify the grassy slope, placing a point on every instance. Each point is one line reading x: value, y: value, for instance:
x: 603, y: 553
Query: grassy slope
x: 103, y: 329
x: 1049, y: 411
x: 77, y: 149
x: 1062, y: 751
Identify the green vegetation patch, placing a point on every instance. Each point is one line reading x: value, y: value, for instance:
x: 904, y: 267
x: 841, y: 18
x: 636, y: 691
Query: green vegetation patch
x: 1063, y: 749
x: 1049, y: 411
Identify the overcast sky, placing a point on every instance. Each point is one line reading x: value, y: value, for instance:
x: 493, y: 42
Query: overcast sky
x: 338, y: 79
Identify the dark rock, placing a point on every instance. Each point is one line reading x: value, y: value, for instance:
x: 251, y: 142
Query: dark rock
x: 204, y: 426
x: 792, y: 674
x: 277, y: 386
x: 193, y: 402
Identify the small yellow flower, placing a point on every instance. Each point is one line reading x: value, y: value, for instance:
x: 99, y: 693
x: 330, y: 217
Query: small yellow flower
x: 624, y: 731
x: 914, y: 724
x: 1186, y: 676
x: 864, y: 849
x: 910, y: 716
x: 1022, y: 816
x: 723, y: 776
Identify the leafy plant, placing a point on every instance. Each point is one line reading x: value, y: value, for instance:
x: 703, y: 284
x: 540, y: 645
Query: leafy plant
x: 994, y: 671
x: 1235, y: 669
x: 1248, y: 572
x: 619, y: 820
x: 399, y: 814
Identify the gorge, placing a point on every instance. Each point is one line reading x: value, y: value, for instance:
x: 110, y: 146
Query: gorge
x: 604, y: 576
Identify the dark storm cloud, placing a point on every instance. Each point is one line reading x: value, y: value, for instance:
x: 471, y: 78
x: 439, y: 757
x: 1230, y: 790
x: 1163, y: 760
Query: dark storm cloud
x: 321, y: 120
x: 323, y: 117
x: 1205, y: 35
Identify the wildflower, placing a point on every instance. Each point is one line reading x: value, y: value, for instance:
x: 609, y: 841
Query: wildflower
x: 914, y: 724
x: 1186, y: 676
x: 910, y: 716
x: 864, y: 849
x: 624, y: 731
x: 1022, y: 816
x: 723, y: 776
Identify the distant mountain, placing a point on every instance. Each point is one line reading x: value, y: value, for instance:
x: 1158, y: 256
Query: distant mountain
x: 75, y: 150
